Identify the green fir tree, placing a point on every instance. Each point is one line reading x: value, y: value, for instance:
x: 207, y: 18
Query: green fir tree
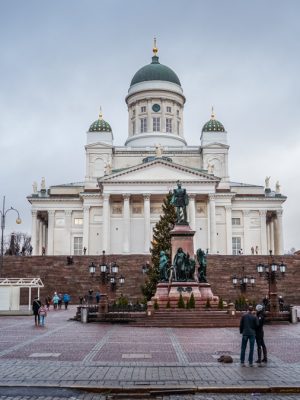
x: 180, y: 303
x: 192, y: 301
x: 161, y: 241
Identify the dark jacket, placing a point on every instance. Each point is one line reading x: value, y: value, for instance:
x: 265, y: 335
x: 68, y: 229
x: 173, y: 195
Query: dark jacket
x: 248, y: 324
x: 35, y: 306
x: 261, y: 320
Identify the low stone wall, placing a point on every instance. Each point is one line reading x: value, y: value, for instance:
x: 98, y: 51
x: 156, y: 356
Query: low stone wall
x: 76, y: 280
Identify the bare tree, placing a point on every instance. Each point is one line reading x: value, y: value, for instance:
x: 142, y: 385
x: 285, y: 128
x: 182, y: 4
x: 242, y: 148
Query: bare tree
x: 17, y: 242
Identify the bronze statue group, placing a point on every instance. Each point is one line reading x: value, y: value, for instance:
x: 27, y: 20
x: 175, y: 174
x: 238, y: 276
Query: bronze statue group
x: 183, y: 268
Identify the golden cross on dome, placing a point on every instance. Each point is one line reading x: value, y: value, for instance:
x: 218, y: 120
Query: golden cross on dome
x: 155, y: 49
x: 100, y: 113
x: 212, y: 113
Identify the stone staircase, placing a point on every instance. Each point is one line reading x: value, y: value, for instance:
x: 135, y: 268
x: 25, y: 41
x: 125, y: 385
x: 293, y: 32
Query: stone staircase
x: 177, y: 318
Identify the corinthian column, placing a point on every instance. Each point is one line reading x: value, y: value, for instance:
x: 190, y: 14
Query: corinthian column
x: 228, y: 230
x: 263, y: 232
x: 212, y: 217
x: 50, y: 248
x: 68, y: 228
x: 279, y: 232
x: 247, y: 246
x: 34, y: 233
x: 106, y: 223
x: 126, y: 224
x: 147, y: 225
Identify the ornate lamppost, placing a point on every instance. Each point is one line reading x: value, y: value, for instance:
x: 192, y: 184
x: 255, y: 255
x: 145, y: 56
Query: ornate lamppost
x: 243, y: 281
x: 108, y: 272
x: 271, y: 272
x: 3, y: 217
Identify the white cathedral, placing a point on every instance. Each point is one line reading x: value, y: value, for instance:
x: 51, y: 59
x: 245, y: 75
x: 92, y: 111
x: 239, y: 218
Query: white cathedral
x: 117, y: 205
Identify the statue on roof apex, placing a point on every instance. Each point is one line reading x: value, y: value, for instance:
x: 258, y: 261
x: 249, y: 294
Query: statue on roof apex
x: 43, y: 184
x: 277, y: 189
x: 267, y: 182
x: 158, y: 150
x: 34, y: 187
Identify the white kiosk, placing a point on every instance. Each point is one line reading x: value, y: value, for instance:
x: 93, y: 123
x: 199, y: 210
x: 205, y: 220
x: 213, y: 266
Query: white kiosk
x: 10, y: 293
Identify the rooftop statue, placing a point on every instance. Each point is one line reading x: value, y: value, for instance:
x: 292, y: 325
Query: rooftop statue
x: 267, y: 182
x: 180, y: 200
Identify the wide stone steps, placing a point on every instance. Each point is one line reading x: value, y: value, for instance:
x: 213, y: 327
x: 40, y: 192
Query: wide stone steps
x: 188, y: 319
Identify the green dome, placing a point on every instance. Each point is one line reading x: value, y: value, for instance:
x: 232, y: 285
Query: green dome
x: 100, y: 126
x: 155, y: 72
x: 213, y: 125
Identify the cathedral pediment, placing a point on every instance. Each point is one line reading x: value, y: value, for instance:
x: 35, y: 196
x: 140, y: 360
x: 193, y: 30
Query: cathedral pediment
x: 159, y: 170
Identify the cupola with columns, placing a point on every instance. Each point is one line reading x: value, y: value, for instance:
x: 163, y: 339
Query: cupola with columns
x: 155, y: 103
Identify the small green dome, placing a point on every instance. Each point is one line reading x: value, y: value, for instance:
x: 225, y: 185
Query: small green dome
x: 155, y: 72
x: 213, y: 125
x: 100, y: 125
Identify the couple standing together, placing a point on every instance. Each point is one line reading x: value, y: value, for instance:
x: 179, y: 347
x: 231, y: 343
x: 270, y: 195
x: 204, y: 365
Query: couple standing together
x: 251, y: 327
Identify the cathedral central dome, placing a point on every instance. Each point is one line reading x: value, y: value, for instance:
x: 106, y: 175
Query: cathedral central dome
x: 155, y: 72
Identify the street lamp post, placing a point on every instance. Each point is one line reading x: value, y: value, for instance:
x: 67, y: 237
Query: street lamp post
x: 3, y: 217
x: 108, y: 273
x: 243, y: 281
x: 271, y: 272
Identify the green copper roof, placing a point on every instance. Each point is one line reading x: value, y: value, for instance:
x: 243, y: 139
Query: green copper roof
x: 213, y: 125
x: 155, y: 72
x: 100, y: 126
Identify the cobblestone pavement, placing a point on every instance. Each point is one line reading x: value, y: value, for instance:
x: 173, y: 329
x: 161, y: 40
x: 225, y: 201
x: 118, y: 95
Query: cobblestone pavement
x: 67, y: 354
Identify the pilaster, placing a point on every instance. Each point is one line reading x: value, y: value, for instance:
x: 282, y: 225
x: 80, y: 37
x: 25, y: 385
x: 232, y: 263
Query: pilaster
x: 34, y: 233
x: 147, y: 225
x: 86, y: 227
x: 263, y: 232
x: 106, y: 223
x: 212, y: 224
x: 247, y: 245
x: 50, y: 247
x: 126, y: 223
x: 228, y: 229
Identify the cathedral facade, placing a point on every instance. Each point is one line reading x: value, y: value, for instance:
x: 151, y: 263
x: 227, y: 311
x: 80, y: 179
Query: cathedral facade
x: 119, y: 201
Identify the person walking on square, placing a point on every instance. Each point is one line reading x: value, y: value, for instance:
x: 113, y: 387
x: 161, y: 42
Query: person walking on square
x: 55, y: 300
x: 261, y: 347
x: 66, y: 300
x: 248, y: 326
x: 42, y: 314
x: 36, y: 304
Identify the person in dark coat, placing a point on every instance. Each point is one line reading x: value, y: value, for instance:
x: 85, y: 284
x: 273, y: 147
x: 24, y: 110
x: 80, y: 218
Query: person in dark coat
x: 261, y: 347
x: 248, y: 325
x: 36, y: 304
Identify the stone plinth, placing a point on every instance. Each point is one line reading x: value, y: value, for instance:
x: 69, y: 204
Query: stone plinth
x: 170, y: 293
x: 182, y: 236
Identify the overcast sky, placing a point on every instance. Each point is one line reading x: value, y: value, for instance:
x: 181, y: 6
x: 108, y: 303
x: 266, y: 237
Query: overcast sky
x: 61, y: 60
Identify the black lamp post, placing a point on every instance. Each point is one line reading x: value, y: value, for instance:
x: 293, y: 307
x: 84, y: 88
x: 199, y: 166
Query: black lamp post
x: 271, y: 272
x: 3, y: 217
x: 108, y: 273
x: 243, y: 281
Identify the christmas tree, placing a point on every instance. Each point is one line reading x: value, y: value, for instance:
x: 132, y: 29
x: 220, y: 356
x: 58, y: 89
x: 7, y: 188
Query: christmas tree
x: 161, y: 242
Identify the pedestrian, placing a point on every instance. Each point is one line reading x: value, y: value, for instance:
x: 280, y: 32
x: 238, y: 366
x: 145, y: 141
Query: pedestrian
x: 252, y: 250
x: 23, y: 250
x: 266, y: 302
x: 42, y: 314
x: 36, y: 304
x: 261, y: 347
x: 248, y: 325
x: 90, y: 297
x: 60, y: 300
x: 66, y: 300
x: 256, y: 249
x: 48, y: 302
x: 55, y: 299
x: 97, y: 297
x: 80, y: 299
x: 30, y: 250
x: 84, y: 251
x: 43, y: 251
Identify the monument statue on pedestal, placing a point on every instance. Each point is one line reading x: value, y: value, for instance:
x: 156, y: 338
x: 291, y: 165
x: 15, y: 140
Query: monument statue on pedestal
x: 201, y: 257
x: 180, y: 200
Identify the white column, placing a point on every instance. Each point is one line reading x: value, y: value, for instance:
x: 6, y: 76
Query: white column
x: 50, y: 247
x: 106, y: 224
x: 40, y: 226
x: 263, y: 233
x: 247, y: 245
x: 213, y: 233
x: 279, y: 232
x: 228, y: 230
x: 163, y: 117
x: 192, y: 211
x: 68, y: 229
x: 149, y: 119
x: 34, y: 233
x: 44, y: 235
x: 86, y: 228
x: 147, y: 225
x: 126, y: 223
x: 272, y: 247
